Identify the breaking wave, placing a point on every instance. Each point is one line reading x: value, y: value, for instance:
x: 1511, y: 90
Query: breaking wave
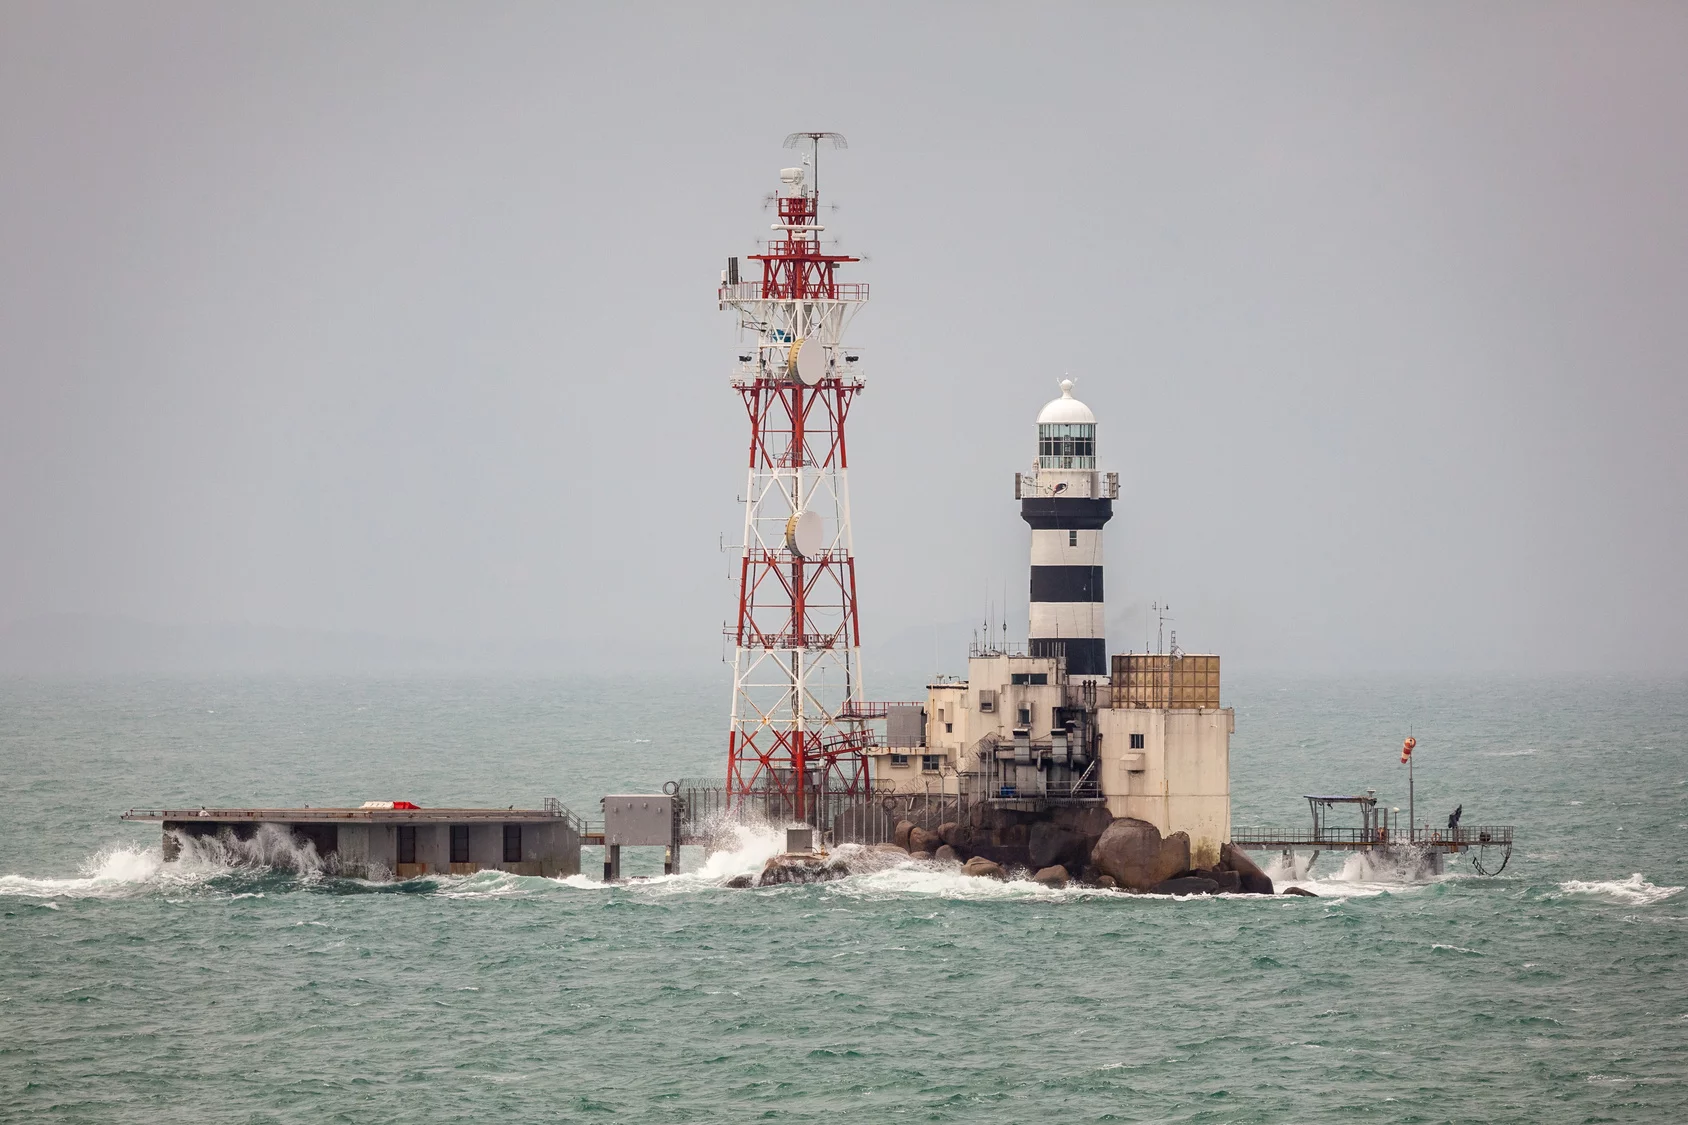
x: 1360, y: 876
x: 1633, y: 891
x: 119, y: 871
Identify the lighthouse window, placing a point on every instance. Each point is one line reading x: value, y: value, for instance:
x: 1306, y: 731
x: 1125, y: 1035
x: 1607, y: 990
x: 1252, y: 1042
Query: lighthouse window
x: 1066, y: 445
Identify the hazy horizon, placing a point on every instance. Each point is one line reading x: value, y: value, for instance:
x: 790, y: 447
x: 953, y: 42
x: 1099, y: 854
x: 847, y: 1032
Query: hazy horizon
x: 398, y: 322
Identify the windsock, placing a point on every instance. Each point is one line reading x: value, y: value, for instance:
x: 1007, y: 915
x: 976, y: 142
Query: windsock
x: 1407, y: 745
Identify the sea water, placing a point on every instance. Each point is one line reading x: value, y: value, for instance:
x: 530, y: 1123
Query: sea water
x: 134, y: 990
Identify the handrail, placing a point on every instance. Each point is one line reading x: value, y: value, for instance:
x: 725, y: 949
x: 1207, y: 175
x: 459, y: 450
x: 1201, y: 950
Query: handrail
x: 1463, y: 836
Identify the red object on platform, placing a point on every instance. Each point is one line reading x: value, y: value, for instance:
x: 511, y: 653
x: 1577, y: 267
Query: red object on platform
x: 406, y: 805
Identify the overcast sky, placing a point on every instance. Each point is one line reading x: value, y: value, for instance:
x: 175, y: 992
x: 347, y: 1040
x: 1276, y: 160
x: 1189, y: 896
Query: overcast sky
x: 400, y: 318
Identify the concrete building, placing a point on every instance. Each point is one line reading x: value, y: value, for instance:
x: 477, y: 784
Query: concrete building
x: 381, y: 841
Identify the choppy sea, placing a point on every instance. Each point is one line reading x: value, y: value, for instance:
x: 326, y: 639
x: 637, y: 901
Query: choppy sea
x: 132, y: 990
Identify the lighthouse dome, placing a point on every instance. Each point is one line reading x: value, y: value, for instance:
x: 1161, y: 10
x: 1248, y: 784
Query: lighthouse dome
x: 1066, y: 433
x: 1066, y: 410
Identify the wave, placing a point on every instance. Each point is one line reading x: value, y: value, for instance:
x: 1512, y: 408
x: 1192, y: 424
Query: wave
x: 1633, y: 891
x: 119, y: 871
x: 1360, y: 876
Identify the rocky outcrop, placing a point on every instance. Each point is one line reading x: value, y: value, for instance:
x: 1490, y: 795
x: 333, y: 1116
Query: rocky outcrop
x: 1302, y: 892
x: 946, y: 854
x: 922, y: 841
x: 801, y: 867
x: 1133, y: 853
x: 983, y: 868
x: 1052, y: 876
x: 1185, y: 885
x: 1049, y: 844
x: 900, y: 834
x: 1106, y: 883
x: 1254, y: 881
x: 1228, y: 882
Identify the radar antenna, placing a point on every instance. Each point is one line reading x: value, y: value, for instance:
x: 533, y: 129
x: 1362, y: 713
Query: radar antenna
x: 812, y: 141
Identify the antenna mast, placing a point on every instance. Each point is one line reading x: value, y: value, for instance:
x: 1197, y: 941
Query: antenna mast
x: 797, y: 732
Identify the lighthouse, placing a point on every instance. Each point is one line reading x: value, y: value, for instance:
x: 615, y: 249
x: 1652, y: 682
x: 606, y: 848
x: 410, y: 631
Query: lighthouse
x: 1066, y: 502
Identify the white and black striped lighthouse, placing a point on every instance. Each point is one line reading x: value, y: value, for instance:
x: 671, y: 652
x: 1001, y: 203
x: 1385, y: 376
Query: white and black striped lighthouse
x: 1067, y: 503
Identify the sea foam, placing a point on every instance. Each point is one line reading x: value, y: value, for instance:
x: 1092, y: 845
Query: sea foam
x: 1633, y: 891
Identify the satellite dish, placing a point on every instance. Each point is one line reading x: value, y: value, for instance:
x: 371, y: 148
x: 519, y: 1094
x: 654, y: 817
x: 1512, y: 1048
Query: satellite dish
x: 808, y: 362
x: 803, y: 534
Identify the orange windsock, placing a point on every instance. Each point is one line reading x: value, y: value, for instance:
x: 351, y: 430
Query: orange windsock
x: 1407, y: 745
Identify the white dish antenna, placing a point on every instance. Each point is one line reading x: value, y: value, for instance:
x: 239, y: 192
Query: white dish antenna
x: 808, y: 362
x: 803, y: 534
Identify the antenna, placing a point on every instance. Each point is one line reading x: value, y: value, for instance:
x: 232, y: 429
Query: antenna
x: 796, y: 140
x: 1160, y: 630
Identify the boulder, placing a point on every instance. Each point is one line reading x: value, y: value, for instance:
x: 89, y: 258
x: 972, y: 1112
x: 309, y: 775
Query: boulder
x: 1106, y: 883
x: 1052, y: 876
x: 1085, y: 820
x: 900, y: 834
x: 983, y: 868
x: 1185, y: 885
x: 1254, y: 881
x: 950, y: 833
x: 740, y: 882
x: 800, y: 867
x: 1298, y: 891
x: 946, y: 854
x: 1002, y: 856
x: 920, y: 840
x: 1133, y: 852
x: 1230, y: 883
x: 1049, y: 845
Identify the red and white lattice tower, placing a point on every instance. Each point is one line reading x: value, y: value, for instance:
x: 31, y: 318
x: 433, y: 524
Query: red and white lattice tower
x: 797, y: 724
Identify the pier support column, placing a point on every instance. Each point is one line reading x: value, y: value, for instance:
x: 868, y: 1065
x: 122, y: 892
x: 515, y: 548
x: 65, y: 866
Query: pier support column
x: 612, y: 863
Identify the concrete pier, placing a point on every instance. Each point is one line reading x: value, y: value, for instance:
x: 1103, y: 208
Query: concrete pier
x: 387, y: 843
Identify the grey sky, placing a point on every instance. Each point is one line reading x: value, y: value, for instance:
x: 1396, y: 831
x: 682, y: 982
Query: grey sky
x: 399, y: 318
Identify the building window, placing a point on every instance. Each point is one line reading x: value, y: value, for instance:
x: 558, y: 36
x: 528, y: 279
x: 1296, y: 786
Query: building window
x: 987, y: 701
x: 1039, y: 679
x: 1137, y: 742
x: 1072, y: 538
x: 949, y: 728
x: 899, y: 761
x: 407, y: 843
x: 512, y: 843
x: 931, y: 763
x: 460, y: 843
x: 1025, y: 716
x: 1033, y: 679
